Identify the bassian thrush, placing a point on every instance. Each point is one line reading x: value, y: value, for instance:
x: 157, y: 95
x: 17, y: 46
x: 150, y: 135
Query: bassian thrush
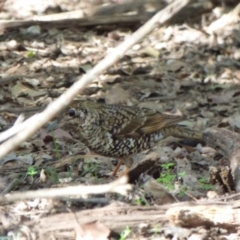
x: 121, y: 131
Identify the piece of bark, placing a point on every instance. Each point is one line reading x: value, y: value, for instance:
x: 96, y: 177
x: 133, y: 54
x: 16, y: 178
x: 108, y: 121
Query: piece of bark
x: 226, y: 143
x: 208, y: 215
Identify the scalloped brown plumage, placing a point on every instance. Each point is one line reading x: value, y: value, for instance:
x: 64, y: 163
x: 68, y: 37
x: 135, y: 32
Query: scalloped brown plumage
x: 120, y: 131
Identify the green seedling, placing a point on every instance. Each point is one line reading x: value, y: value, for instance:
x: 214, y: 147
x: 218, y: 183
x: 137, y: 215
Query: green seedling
x: 30, y: 54
x: 31, y: 171
x: 167, y: 166
x: 166, y: 177
x: 139, y: 202
x: 156, y: 229
x: 181, y: 174
x: 204, y: 184
x: 125, y: 232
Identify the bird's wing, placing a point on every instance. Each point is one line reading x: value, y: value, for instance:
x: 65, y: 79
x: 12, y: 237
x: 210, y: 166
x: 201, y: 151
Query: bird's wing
x: 156, y: 121
x: 145, y: 121
x: 122, y: 120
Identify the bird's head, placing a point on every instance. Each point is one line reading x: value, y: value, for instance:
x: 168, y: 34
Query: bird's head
x: 84, y: 113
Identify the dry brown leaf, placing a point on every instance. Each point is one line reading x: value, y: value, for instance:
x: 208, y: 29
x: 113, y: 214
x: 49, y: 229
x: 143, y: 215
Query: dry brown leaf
x: 19, y: 90
x: 93, y: 231
x: 174, y: 65
x: 25, y: 101
x: 57, y: 133
x: 234, y: 120
x: 158, y: 192
x: 25, y: 159
x: 223, y: 98
x: 117, y: 95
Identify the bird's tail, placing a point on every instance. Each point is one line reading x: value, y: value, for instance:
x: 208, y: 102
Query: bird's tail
x: 182, y: 132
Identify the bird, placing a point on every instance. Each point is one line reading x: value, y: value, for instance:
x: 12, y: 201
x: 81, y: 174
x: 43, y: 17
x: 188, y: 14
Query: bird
x: 120, y: 131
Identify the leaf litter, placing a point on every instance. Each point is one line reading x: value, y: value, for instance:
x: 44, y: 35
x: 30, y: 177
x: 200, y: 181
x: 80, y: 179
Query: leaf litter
x: 177, y: 69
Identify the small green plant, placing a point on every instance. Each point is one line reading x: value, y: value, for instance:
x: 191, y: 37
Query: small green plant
x: 31, y: 171
x: 156, y: 229
x: 181, y: 174
x: 166, y: 177
x: 204, y: 184
x: 167, y: 166
x: 125, y: 232
x: 30, y: 54
x: 139, y: 202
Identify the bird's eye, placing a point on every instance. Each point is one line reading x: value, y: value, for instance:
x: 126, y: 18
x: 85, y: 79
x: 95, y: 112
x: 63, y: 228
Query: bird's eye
x: 72, y: 113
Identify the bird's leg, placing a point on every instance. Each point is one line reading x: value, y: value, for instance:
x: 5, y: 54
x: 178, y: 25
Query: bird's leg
x: 128, y: 162
x: 120, y: 162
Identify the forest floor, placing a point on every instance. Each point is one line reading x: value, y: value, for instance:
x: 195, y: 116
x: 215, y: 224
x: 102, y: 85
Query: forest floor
x: 189, y: 67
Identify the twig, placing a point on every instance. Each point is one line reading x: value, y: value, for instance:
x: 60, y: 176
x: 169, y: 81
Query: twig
x: 88, y: 200
x: 17, y: 128
x: 118, y: 186
x: 65, y: 99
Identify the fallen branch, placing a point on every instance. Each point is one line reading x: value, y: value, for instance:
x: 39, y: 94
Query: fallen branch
x: 187, y: 214
x: 118, y: 186
x: 79, y: 22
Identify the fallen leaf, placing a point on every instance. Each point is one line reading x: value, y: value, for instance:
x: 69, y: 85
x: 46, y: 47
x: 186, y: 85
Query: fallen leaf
x: 174, y: 65
x: 19, y: 90
x: 158, y: 192
x: 117, y: 95
x: 93, y: 231
x: 222, y: 98
x: 234, y: 120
